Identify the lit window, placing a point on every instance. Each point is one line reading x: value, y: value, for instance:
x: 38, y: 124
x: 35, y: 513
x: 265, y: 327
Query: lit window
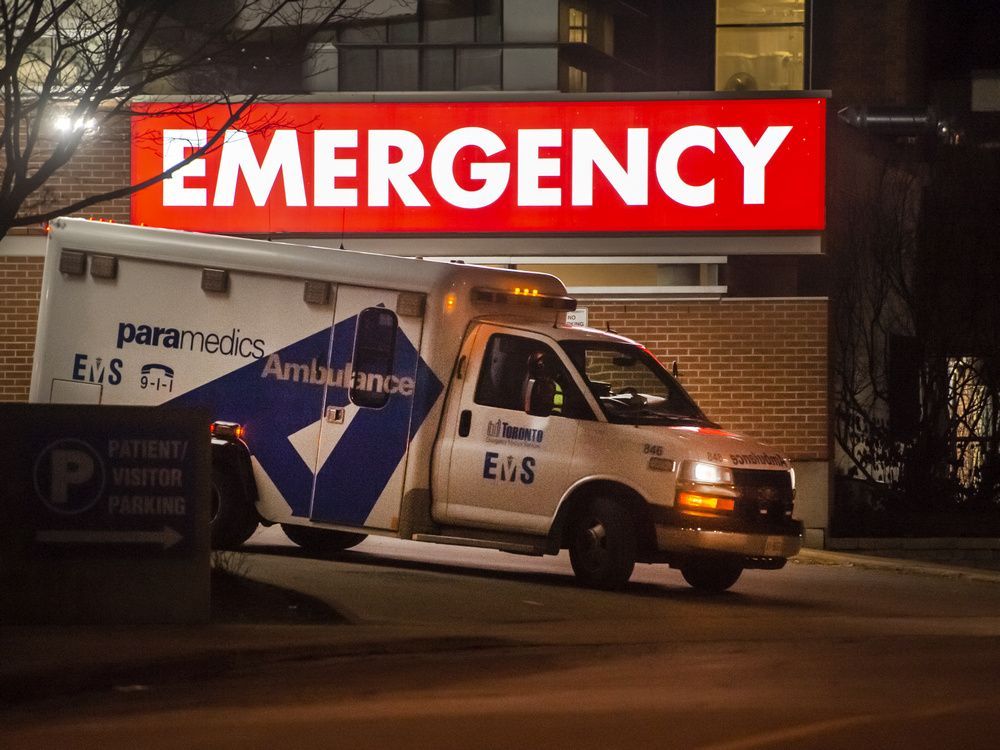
x: 760, y: 46
x: 972, y: 416
x: 576, y: 79
x: 577, y: 26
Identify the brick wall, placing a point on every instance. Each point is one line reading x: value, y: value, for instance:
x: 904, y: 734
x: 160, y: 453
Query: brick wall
x: 756, y: 366
x: 100, y: 165
x: 20, y: 283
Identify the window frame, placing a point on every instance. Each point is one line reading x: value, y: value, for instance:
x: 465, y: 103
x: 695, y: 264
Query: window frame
x: 580, y: 28
x: 478, y: 42
x: 574, y: 348
x: 574, y: 403
x: 364, y: 398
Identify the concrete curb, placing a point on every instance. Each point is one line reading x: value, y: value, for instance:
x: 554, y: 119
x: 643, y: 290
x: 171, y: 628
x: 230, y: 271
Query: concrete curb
x: 871, y: 562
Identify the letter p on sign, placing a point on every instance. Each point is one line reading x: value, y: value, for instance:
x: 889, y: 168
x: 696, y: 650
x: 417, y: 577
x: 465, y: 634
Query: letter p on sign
x: 69, y: 467
x: 69, y: 476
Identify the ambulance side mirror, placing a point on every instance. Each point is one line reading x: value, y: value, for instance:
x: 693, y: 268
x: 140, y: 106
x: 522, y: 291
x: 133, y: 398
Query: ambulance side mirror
x: 539, y: 396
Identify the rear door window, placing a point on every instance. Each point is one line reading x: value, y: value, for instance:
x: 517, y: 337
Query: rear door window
x: 374, y: 354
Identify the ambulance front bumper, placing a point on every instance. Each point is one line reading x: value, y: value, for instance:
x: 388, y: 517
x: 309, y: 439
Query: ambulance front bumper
x: 685, y: 535
x: 699, y: 540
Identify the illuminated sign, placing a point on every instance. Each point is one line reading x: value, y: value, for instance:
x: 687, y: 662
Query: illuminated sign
x: 486, y: 167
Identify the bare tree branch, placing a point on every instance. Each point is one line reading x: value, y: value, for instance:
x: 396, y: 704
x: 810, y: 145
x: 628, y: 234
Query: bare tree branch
x: 87, y: 61
x: 917, y: 265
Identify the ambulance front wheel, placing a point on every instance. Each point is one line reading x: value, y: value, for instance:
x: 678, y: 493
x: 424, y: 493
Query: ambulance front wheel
x: 602, y: 544
x: 233, y: 517
x: 712, y: 576
x: 321, y: 541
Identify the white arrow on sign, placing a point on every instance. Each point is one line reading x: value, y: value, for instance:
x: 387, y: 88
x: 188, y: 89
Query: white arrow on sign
x: 168, y: 537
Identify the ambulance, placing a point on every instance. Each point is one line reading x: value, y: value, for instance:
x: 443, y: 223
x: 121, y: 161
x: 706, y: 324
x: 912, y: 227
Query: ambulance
x: 358, y: 394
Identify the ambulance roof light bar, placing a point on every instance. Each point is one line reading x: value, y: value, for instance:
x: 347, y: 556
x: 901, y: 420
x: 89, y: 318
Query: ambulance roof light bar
x: 523, y: 296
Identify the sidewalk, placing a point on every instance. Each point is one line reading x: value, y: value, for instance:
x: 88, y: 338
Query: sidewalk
x: 38, y: 662
x: 879, y: 562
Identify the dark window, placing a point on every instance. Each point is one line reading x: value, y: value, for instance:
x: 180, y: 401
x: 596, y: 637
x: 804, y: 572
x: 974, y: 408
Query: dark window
x: 357, y: 69
x: 369, y: 34
x: 463, y: 25
x: 397, y: 70
x: 509, y: 363
x: 438, y: 71
x: 449, y: 20
x: 489, y: 21
x: 478, y: 69
x: 374, y: 351
x: 403, y: 31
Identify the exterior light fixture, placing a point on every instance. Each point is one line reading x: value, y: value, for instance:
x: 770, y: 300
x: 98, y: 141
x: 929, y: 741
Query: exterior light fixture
x: 316, y: 292
x: 892, y: 121
x: 72, y: 262
x: 215, y: 280
x: 104, y: 267
x: 67, y: 124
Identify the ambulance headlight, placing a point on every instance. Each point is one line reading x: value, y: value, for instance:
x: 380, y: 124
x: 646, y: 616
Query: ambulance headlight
x: 705, y: 488
x: 702, y: 472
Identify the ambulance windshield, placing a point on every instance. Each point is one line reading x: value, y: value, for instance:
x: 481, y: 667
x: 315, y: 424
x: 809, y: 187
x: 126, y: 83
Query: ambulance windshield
x: 631, y: 386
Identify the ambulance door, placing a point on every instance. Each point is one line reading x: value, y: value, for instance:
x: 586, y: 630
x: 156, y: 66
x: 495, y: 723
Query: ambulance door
x: 365, y: 426
x: 509, y: 469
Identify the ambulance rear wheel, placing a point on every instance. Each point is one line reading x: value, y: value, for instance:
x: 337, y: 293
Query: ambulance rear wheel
x: 712, y: 576
x: 323, y: 541
x: 602, y: 544
x: 233, y: 518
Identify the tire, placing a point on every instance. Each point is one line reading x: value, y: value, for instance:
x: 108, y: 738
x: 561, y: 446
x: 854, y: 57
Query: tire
x: 233, y: 518
x: 712, y: 576
x: 602, y: 545
x: 323, y: 541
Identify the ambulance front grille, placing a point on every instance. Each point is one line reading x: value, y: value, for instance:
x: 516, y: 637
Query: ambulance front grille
x: 763, y: 494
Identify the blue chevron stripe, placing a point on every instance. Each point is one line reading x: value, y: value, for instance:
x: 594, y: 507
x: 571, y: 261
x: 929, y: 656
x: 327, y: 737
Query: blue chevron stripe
x: 361, y: 465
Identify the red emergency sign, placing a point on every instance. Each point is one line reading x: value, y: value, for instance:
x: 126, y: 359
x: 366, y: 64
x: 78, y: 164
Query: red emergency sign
x: 486, y: 167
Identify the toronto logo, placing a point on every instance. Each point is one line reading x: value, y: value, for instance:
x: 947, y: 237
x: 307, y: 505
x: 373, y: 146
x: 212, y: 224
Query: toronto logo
x: 503, y: 432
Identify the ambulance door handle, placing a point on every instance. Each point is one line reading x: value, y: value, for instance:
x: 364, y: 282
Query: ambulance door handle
x: 335, y: 415
x: 464, y: 423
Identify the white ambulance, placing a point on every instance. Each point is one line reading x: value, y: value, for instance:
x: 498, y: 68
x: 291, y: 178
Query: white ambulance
x: 360, y: 394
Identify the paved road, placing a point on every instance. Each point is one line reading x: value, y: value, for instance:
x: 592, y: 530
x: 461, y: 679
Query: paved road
x: 816, y: 655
